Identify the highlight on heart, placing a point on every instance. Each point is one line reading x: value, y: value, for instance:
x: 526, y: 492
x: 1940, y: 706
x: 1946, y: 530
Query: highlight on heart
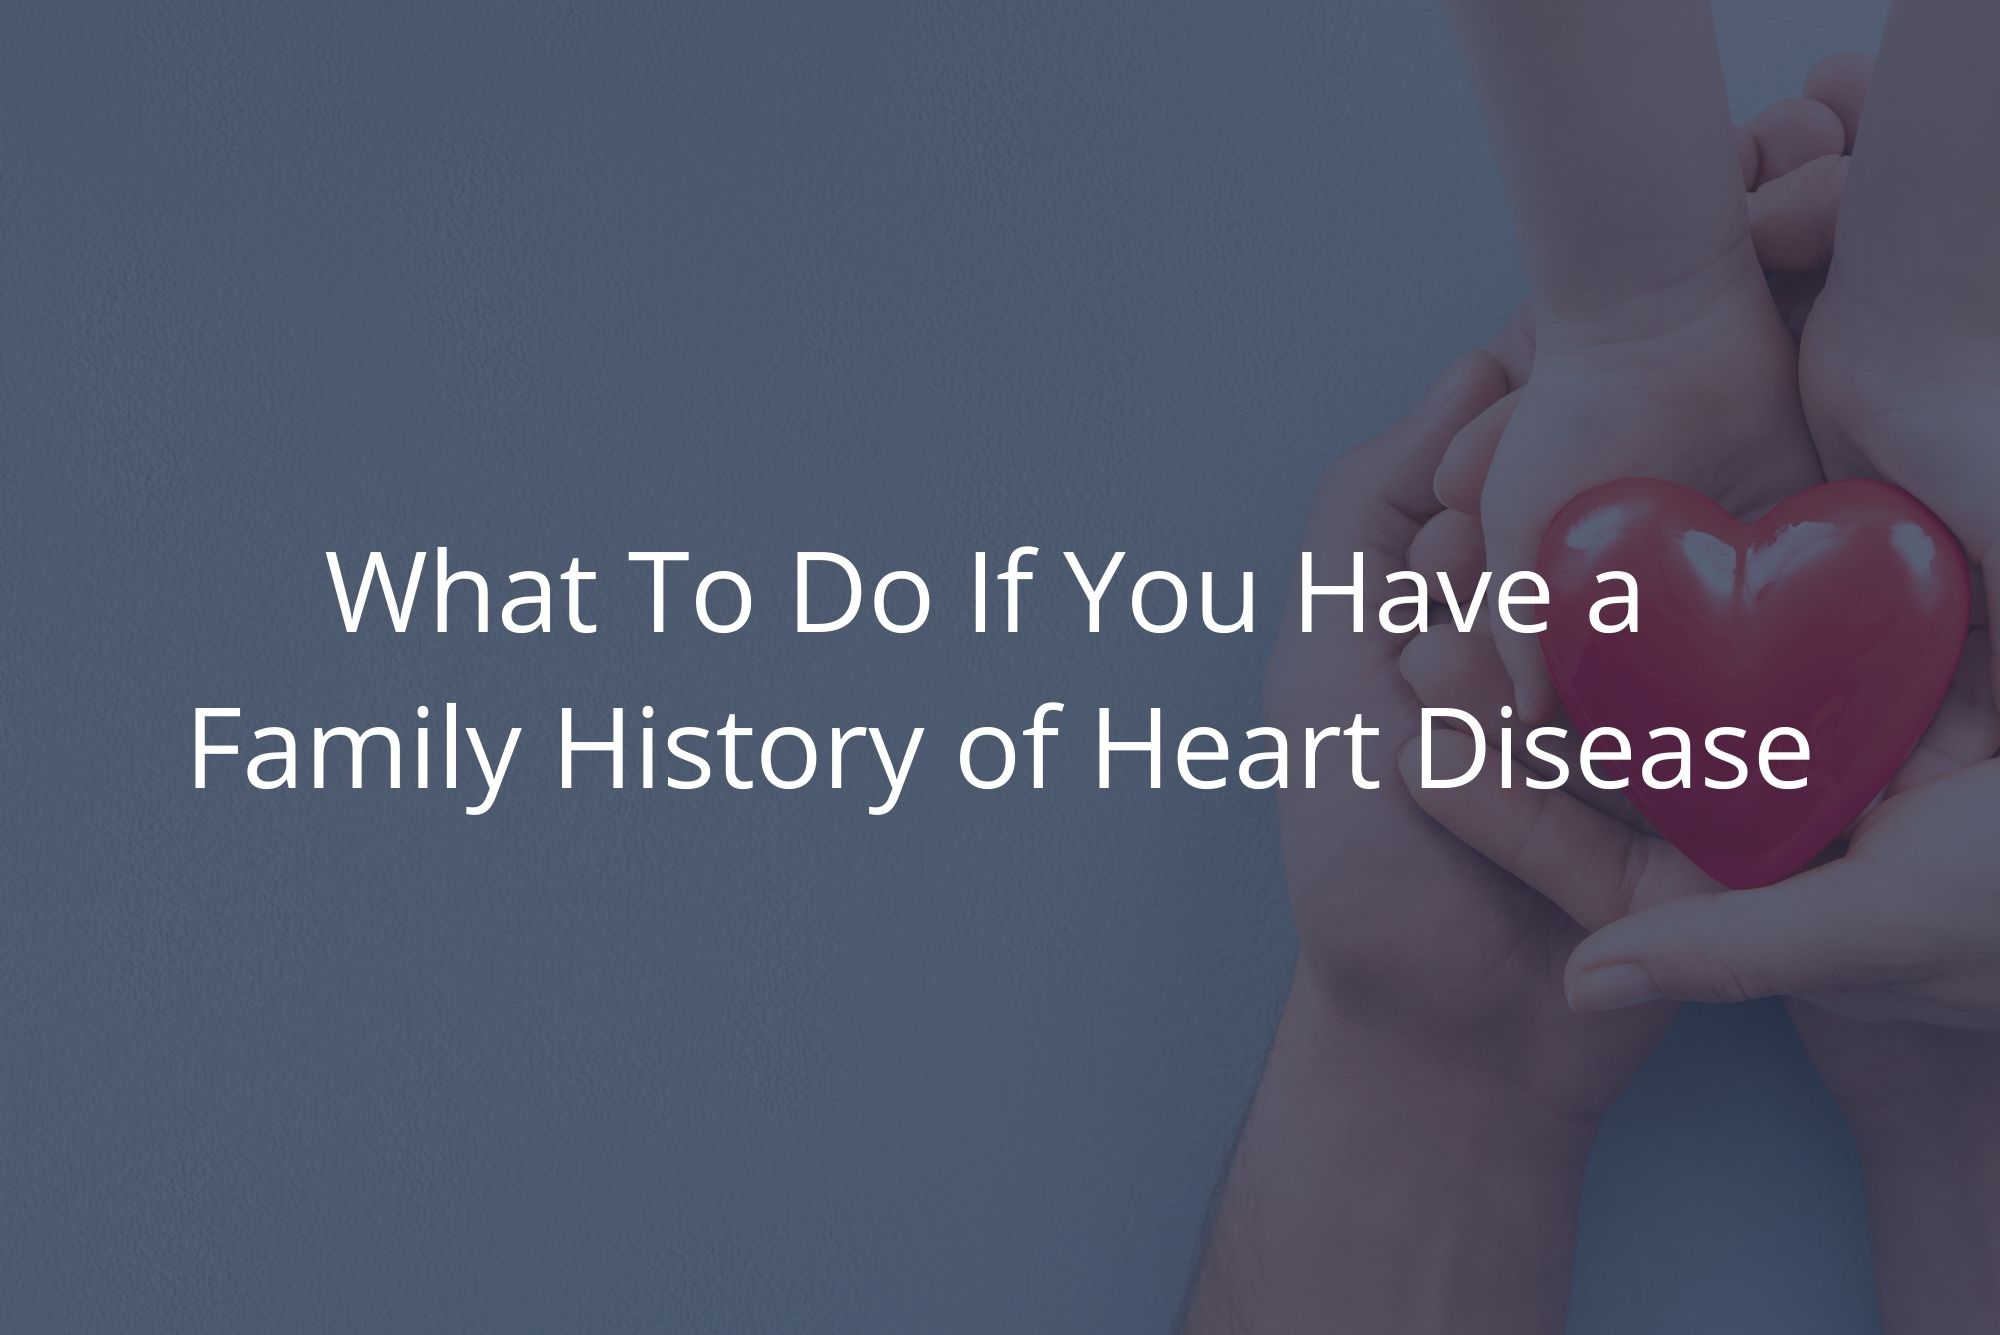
x: 1753, y: 388
x: 1750, y: 686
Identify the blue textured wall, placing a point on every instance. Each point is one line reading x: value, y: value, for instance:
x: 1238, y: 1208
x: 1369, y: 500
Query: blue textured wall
x: 534, y: 281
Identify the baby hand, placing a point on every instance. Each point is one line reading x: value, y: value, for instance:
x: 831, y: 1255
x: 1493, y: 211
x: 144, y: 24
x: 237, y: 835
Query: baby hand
x: 1696, y: 382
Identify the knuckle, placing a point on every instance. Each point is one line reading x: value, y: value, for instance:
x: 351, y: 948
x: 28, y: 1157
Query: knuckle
x: 1827, y: 170
x: 1635, y: 871
x: 1727, y: 981
x: 1422, y: 665
x: 1529, y: 838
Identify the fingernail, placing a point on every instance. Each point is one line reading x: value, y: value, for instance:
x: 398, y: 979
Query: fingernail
x: 1613, y: 987
x: 1444, y: 387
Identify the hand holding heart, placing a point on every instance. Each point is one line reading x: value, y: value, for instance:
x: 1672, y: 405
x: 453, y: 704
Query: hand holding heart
x: 1899, y: 370
x: 1835, y: 620
x: 1705, y: 396
x: 1903, y: 926
x: 1427, y: 1078
x: 1395, y: 921
x: 1415, y: 952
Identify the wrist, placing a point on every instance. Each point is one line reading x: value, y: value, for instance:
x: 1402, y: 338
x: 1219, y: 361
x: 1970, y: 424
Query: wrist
x: 1914, y: 1096
x: 1374, y: 1190
x: 1727, y: 285
x: 1422, y: 1089
x: 1934, y: 1218
x: 1932, y: 1138
x: 1922, y: 1104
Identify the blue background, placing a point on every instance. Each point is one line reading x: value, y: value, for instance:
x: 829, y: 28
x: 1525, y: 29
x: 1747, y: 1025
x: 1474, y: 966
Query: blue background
x: 534, y: 280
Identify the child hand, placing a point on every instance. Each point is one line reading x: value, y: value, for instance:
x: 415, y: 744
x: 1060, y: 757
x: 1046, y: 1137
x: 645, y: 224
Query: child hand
x: 1425, y: 1080
x: 1697, y: 385
x: 1792, y: 156
x: 1735, y: 366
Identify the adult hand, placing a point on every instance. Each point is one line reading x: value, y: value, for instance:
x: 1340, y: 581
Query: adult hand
x: 1921, y: 1097
x: 1899, y: 365
x: 1903, y: 926
x: 1891, y: 954
x: 1417, y: 948
x: 1427, y: 1080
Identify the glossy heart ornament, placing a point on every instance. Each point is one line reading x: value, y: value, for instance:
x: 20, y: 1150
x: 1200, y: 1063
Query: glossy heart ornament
x: 1841, y: 613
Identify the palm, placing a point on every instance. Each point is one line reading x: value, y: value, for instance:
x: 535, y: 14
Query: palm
x: 1868, y: 1065
x: 1891, y: 404
x: 1402, y: 927
x: 1446, y: 950
x: 1908, y: 406
x: 1877, y: 1069
x: 1964, y: 733
x: 1873, y: 1067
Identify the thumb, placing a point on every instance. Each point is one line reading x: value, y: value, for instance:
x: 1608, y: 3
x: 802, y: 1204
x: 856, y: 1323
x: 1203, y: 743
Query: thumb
x: 1512, y: 541
x: 1832, y: 927
x: 1461, y: 474
x: 1792, y: 218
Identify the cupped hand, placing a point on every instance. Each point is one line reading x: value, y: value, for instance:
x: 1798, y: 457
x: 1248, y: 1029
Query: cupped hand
x: 1888, y: 1077
x: 1422, y: 953
x: 1890, y: 952
x: 1899, y: 363
x: 1902, y: 925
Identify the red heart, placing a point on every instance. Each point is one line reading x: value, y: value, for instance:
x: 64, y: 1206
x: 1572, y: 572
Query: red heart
x: 1841, y: 613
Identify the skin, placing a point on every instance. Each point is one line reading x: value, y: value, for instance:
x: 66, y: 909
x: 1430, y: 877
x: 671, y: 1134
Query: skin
x: 1888, y: 953
x: 1921, y: 841
x: 1426, y: 1110
x: 1429, y: 1100
x: 1900, y: 363
x: 1659, y: 348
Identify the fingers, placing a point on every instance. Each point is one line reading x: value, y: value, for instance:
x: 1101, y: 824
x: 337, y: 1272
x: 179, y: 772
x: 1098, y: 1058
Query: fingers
x: 1840, y: 83
x: 1787, y: 135
x: 1965, y: 730
x: 1794, y: 166
x: 1451, y: 545
x: 1746, y: 157
x: 1514, y: 524
x: 1792, y: 218
x: 1373, y: 499
x: 1395, y: 469
x: 1447, y: 669
x: 1461, y: 474
x: 1450, y: 670
x: 1825, y: 929
x: 1593, y: 866
x: 1514, y: 346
